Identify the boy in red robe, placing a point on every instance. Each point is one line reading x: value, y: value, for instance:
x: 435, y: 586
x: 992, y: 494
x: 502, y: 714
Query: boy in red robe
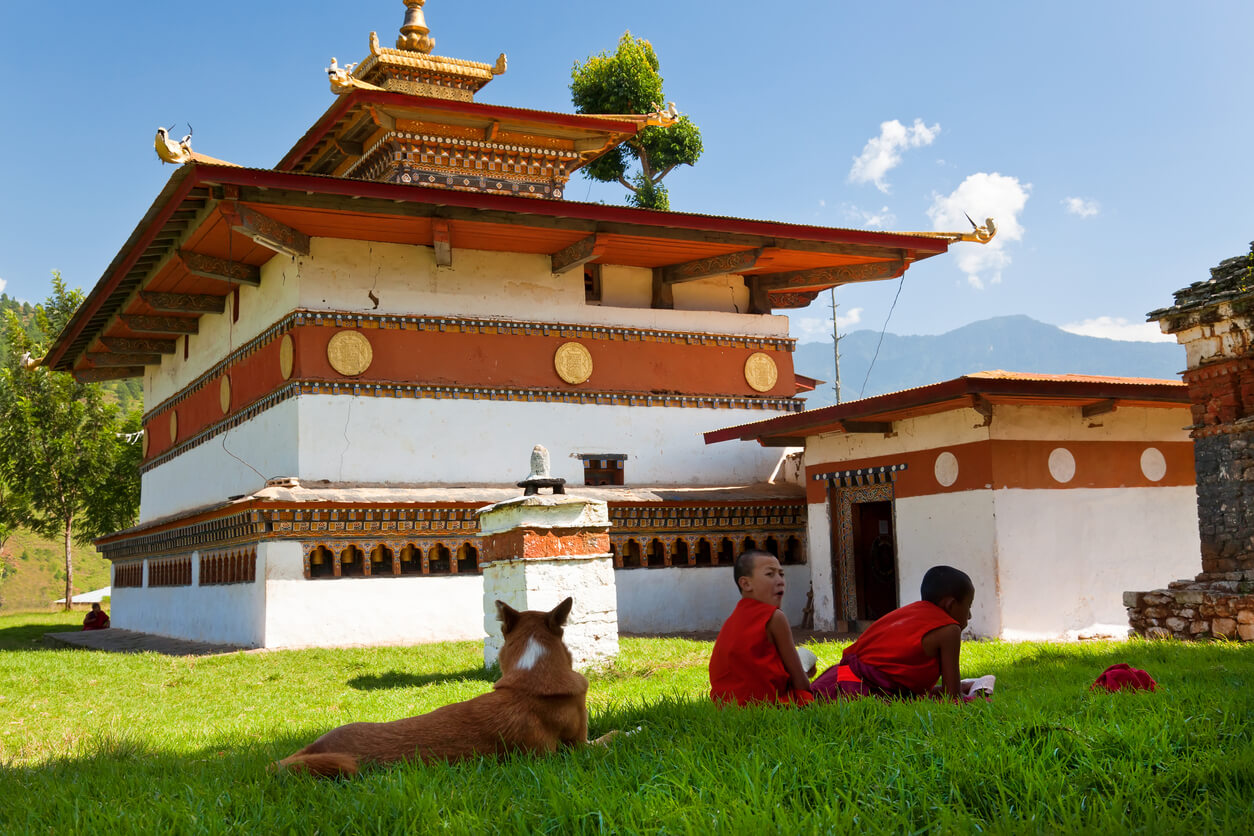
x: 97, y: 619
x: 754, y: 659
x: 906, y: 651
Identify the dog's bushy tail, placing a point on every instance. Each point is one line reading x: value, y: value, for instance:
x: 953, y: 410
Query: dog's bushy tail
x: 324, y: 765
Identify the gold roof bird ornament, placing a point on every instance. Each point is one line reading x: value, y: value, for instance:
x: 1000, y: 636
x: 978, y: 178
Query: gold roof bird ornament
x: 174, y: 152
x: 180, y: 152
x: 342, y: 79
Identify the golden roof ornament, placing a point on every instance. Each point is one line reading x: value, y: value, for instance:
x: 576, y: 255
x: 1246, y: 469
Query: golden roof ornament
x: 415, y: 36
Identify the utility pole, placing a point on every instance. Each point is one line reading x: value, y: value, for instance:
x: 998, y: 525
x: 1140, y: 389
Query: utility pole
x: 835, y: 344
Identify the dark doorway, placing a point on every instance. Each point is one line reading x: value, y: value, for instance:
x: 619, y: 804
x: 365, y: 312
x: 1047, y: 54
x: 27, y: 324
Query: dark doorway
x: 874, y: 559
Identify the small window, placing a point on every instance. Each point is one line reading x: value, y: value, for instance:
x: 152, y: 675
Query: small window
x: 592, y: 284
x: 603, y: 468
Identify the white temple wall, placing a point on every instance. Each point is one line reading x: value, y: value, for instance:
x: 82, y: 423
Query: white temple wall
x: 954, y: 529
x: 348, y: 438
x: 1046, y: 423
x: 225, y: 614
x: 1067, y: 556
x: 343, y: 611
x: 209, y: 474
x: 911, y: 434
x: 822, y: 573
x: 693, y: 598
x: 259, y: 308
x: 339, y: 274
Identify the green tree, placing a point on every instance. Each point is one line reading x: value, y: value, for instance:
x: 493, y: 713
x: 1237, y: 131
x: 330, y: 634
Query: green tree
x: 629, y: 82
x: 68, y: 457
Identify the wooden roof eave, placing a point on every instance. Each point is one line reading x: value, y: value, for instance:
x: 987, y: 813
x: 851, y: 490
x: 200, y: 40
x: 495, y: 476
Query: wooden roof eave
x: 951, y: 394
x: 169, y: 217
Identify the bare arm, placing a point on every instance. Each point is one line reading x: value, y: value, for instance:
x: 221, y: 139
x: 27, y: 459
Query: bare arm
x: 945, y: 644
x: 781, y: 636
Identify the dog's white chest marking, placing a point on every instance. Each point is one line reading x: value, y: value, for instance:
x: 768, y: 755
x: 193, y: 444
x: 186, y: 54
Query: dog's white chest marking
x: 532, y: 653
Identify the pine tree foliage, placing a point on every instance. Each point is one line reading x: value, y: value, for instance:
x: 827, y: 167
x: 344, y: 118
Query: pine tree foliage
x: 69, y: 458
x: 629, y: 81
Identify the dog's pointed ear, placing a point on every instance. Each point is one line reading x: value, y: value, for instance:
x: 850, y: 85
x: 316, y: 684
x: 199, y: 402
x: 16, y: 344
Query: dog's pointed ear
x: 507, y: 615
x: 559, y: 614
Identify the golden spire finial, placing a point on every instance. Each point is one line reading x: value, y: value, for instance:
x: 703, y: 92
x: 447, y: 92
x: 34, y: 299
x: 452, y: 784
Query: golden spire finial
x: 415, y: 36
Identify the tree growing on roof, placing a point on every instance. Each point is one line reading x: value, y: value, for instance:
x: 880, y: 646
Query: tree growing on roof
x: 68, y: 458
x: 629, y: 82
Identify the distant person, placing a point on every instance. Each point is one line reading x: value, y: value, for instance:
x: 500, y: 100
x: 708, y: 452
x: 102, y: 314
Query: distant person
x: 906, y: 651
x: 97, y: 619
x: 754, y: 659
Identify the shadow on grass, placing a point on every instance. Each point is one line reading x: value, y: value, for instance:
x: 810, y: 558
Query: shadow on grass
x: 30, y: 636
x: 402, y: 679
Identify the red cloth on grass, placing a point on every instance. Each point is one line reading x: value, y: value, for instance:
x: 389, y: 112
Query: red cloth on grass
x: 1121, y: 676
x: 888, y: 659
x: 745, y: 666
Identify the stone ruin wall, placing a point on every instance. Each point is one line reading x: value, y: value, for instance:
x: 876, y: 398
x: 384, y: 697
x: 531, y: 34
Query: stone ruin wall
x: 1214, y: 321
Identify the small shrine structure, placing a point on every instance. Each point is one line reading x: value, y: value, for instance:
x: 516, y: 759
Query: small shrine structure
x: 1214, y: 321
x: 340, y: 353
x: 1053, y: 492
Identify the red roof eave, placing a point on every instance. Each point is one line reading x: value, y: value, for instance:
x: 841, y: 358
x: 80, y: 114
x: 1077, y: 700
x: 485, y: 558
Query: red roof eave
x: 191, y: 175
x: 820, y: 420
x: 331, y: 116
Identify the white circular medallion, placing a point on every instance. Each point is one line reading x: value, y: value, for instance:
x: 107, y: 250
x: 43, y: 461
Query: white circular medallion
x: 1153, y: 464
x: 946, y: 469
x: 1062, y: 464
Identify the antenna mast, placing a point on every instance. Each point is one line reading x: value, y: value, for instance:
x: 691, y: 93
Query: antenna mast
x: 835, y: 344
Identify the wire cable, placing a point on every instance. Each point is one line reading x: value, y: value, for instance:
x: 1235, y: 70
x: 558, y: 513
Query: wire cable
x: 882, y: 330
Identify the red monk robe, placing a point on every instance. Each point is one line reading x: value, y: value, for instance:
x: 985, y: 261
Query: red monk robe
x: 97, y: 619
x: 745, y: 666
x: 888, y: 659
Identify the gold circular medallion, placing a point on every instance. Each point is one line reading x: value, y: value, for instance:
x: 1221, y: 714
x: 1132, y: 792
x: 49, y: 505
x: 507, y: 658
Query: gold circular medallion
x: 349, y: 353
x: 760, y: 372
x: 174, y: 427
x: 573, y: 363
x: 285, y: 356
x: 224, y: 394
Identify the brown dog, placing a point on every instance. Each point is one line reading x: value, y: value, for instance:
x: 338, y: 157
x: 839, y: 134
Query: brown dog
x: 539, y: 702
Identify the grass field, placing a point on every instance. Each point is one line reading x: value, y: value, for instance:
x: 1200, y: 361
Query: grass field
x: 106, y: 743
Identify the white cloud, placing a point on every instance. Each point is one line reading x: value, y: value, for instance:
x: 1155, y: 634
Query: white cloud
x: 822, y: 203
x: 1118, y: 328
x: 883, y: 153
x: 981, y: 196
x: 871, y: 220
x: 818, y: 329
x: 1082, y: 207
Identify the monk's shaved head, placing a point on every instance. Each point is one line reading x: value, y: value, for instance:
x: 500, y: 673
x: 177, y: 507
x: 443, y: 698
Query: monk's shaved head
x: 745, y: 563
x: 945, y: 582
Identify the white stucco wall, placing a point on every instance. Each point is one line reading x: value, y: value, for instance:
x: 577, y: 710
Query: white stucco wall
x: 226, y: 614
x: 209, y: 473
x: 819, y: 548
x: 909, y: 435
x: 404, y: 610
x: 1067, y: 556
x: 692, y: 598
x: 346, y: 438
x: 338, y: 275
x: 1054, y: 423
x: 956, y: 529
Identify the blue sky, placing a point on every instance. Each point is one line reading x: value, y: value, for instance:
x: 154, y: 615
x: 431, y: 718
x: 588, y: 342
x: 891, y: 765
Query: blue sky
x: 1111, y: 141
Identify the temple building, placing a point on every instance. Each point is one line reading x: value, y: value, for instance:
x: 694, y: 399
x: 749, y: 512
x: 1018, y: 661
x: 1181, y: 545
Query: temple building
x: 346, y: 355
x: 1055, y: 493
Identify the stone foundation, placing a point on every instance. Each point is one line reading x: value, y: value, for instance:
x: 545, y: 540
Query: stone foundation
x: 1214, y: 605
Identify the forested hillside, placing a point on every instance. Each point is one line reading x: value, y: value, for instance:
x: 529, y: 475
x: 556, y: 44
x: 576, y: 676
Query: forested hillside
x: 32, y: 571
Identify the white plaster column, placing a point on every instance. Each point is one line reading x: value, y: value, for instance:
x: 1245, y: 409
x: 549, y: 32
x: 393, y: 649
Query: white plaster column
x: 539, y: 550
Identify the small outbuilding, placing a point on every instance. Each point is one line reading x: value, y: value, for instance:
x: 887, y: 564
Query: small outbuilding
x: 1054, y: 492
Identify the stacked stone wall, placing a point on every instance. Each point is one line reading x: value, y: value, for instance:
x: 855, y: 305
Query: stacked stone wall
x: 1225, y: 500
x: 1195, y: 610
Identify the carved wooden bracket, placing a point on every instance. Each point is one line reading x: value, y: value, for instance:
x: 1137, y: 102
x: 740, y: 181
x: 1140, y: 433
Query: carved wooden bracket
x: 578, y: 254
x: 712, y: 266
x: 101, y: 375
x: 115, y: 360
x: 123, y: 345
x: 823, y: 277
x: 184, y: 302
x: 441, y: 242
x: 1098, y: 408
x: 265, y: 230
x: 235, y: 272
x: 161, y: 324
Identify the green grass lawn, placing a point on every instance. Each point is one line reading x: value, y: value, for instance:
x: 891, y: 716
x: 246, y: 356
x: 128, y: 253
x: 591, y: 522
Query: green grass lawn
x: 107, y: 743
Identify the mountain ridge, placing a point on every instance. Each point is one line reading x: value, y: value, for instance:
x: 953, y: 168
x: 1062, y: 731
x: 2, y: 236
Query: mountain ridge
x: 1015, y: 343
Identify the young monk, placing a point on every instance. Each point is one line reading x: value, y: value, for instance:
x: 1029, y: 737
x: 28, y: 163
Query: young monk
x: 754, y: 659
x: 906, y: 651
